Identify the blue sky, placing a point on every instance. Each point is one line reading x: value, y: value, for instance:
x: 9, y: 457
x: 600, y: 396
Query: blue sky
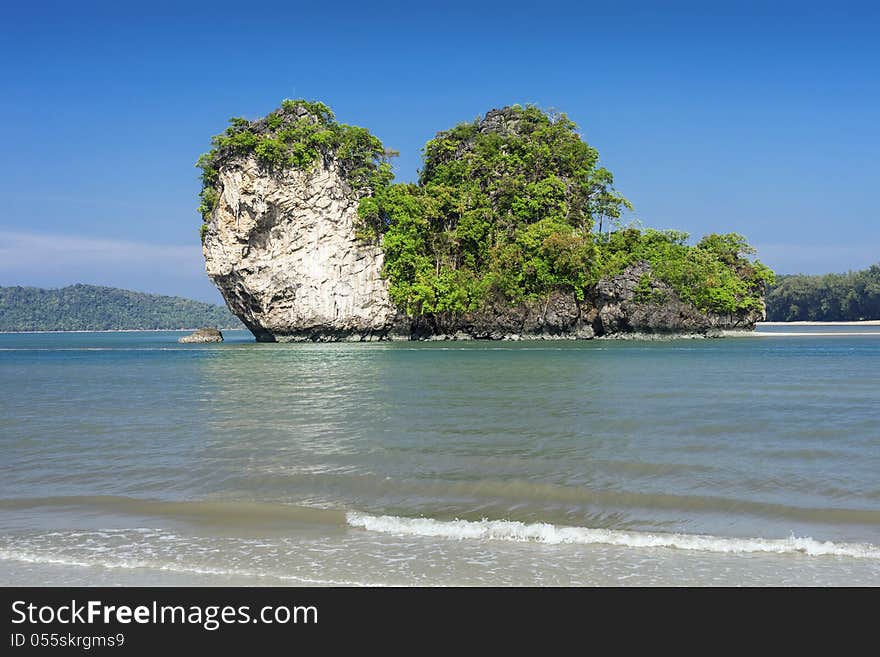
x: 759, y: 118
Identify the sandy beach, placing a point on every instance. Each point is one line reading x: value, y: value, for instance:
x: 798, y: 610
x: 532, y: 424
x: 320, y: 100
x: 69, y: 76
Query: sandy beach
x: 868, y: 322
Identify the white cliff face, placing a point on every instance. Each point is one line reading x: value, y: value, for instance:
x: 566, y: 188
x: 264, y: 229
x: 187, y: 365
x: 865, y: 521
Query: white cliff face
x: 282, y: 250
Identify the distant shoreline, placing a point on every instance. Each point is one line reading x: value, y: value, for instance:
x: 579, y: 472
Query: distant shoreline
x: 866, y: 322
x: 183, y: 330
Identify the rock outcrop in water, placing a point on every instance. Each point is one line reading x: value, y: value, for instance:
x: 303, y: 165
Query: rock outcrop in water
x: 283, y: 242
x: 202, y: 335
x: 615, y: 310
x: 282, y: 250
x: 623, y: 308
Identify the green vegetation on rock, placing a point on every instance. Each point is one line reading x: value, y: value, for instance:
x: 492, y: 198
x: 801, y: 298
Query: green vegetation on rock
x: 297, y: 135
x: 715, y: 275
x: 830, y: 298
x: 509, y: 207
x: 515, y: 206
x: 95, y: 308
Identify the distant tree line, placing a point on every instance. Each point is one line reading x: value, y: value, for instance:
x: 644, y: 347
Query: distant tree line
x: 829, y: 298
x: 94, y: 308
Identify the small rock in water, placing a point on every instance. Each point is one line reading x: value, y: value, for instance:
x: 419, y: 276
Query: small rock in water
x: 203, y: 335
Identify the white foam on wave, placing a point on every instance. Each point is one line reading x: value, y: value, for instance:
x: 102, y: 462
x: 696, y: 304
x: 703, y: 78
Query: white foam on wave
x: 135, y: 564
x: 507, y: 530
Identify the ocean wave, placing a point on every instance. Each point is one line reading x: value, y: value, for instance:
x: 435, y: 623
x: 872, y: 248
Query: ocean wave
x: 141, y: 564
x: 507, y: 530
x: 497, y: 496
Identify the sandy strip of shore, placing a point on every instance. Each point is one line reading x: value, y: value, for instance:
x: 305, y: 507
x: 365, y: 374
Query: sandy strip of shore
x: 868, y: 322
x: 800, y: 334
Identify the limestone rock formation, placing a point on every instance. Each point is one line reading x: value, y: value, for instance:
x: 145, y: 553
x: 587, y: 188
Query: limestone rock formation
x: 617, y: 308
x: 559, y: 316
x: 202, y: 335
x: 281, y: 248
x: 625, y: 308
x: 280, y: 203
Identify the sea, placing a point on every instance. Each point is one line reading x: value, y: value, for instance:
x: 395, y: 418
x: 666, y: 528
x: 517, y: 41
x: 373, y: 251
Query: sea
x: 129, y: 459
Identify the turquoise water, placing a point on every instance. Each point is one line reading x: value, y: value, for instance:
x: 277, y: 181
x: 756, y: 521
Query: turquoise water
x: 131, y: 459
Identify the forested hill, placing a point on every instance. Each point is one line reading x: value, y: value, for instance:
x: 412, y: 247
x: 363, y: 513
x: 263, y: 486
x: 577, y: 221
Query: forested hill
x: 94, y: 308
x: 829, y: 298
